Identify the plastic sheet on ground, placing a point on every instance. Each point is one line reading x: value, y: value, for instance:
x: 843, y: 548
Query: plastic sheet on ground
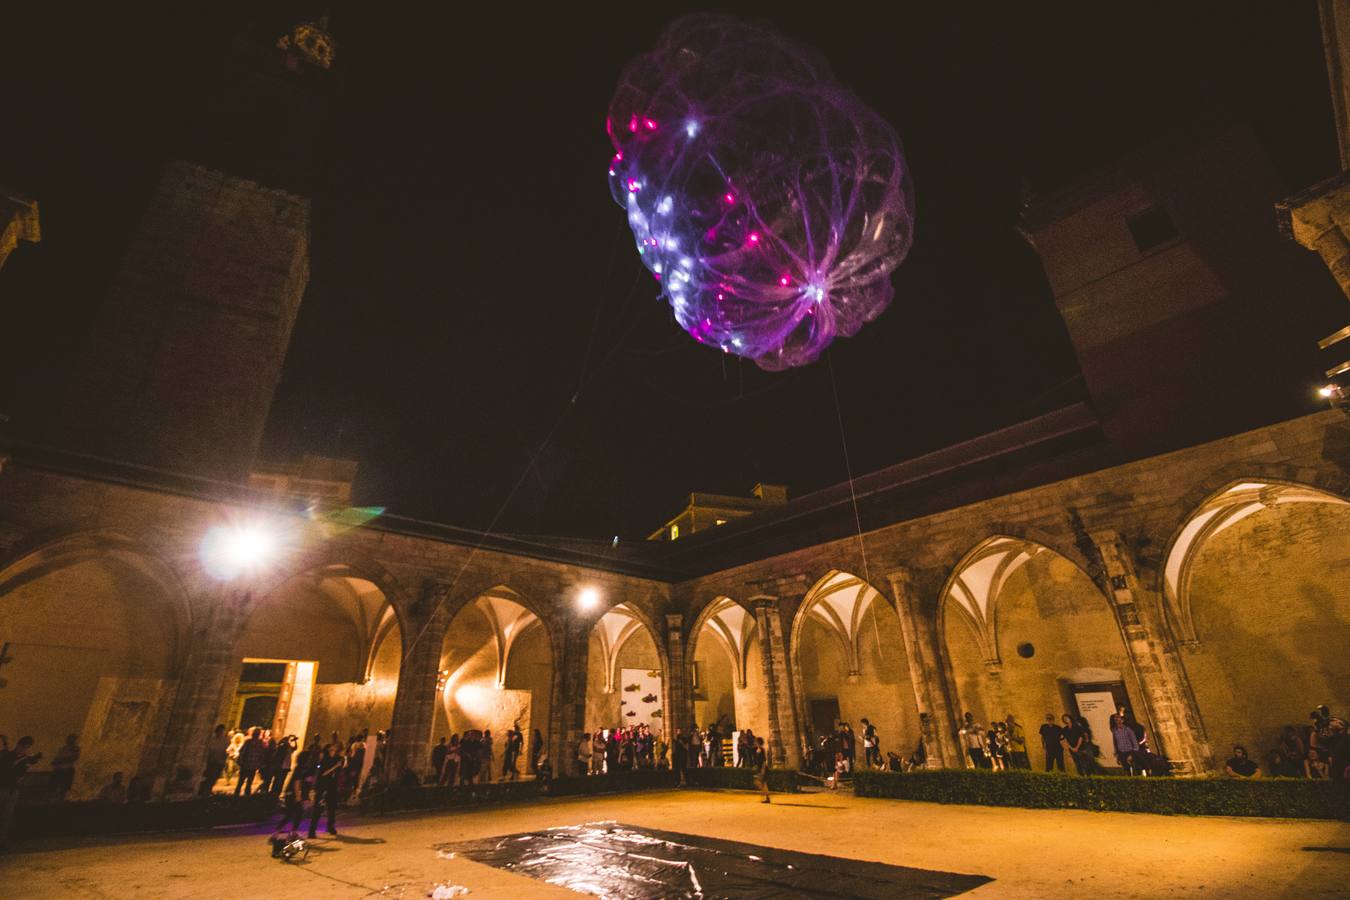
x: 609, y: 859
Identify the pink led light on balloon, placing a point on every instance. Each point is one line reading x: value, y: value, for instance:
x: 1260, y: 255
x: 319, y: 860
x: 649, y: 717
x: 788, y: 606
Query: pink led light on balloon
x: 777, y: 169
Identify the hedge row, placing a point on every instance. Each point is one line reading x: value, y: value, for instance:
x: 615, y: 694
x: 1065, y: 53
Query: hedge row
x: 1290, y: 798
x: 781, y: 780
x: 397, y: 799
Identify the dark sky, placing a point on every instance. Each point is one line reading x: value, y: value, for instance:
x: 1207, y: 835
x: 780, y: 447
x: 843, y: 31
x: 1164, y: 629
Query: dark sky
x: 471, y: 274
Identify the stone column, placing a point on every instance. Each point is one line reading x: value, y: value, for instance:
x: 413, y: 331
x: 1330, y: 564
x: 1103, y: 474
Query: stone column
x: 1168, y: 698
x: 784, y: 738
x: 567, y: 713
x: 932, y: 695
x: 415, y: 700
x: 680, y: 708
x: 201, y: 690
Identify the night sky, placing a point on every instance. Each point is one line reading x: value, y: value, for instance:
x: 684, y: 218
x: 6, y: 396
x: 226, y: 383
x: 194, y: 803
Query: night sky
x: 475, y: 292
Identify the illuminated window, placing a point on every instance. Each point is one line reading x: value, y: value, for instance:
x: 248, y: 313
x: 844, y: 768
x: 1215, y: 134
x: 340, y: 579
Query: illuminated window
x: 674, y: 532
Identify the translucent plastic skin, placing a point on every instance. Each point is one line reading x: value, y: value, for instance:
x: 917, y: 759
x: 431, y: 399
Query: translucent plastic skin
x: 770, y: 202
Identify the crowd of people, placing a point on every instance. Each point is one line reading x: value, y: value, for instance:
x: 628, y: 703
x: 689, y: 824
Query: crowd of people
x: 244, y: 761
x: 254, y: 758
x: 471, y: 757
x: 625, y: 748
x: 833, y: 757
x: 1319, y: 749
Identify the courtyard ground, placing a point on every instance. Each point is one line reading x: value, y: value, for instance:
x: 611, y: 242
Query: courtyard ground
x: 1028, y: 853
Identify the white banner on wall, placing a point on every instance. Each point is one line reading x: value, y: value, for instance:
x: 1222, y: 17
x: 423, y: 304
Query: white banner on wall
x: 640, y: 698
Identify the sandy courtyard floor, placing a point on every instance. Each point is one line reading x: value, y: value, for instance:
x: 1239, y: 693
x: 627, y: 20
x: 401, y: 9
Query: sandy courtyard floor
x: 1028, y: 853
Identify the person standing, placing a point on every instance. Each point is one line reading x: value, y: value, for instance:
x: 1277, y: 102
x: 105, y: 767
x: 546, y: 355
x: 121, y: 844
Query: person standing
x: 536, y: 749
x: 849, y: 744
x: 63, y: 766
x: 282, y: 755
x: 217, y: 754
x: 326, y: 787
x: 760, y: 761
x: 438, y: 760
x: 295, y: 805
x: 489, y: 758
x: 679, y: 755
x: 305, y: 762
x: 584, y: 749
x: 13, y: 764
x: 1017, y: 743
x: 599, y: 749
x: 1051, y: 738
x: 251, y: 756
x: 972, y: 738
x: 452, y: 758
x: 1076, y: 741
x: 511, y: 754
x: 1125, y: 742
x: 871, y: 745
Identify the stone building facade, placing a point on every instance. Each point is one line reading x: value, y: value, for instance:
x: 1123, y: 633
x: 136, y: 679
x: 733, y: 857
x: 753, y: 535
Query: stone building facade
x: 1204, y: 586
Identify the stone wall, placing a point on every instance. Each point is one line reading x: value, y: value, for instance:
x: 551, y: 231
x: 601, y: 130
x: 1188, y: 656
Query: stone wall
x: 1271, y: 600
x: 108, y: 569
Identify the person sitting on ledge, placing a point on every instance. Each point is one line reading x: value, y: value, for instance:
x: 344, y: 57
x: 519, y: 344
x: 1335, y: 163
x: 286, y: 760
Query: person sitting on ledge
x: 114, y: 791
x: 1240, y: 766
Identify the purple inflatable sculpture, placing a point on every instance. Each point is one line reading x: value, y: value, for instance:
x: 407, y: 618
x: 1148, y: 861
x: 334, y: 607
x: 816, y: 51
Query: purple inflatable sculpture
x: 770, y: 202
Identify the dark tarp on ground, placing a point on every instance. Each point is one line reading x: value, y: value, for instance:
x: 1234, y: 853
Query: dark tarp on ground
x: 609, y: 859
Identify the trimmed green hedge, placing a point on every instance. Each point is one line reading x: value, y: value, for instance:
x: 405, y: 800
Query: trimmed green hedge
x: 1290, y: 798
x: 782, y: 780
x: 396, y: 799
x: 89, y: 817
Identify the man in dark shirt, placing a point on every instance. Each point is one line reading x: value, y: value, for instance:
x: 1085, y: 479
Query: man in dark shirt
x: 252, y: 754
x: 438, y: 759
x: 1338, y: 748
x: 1050, y: 741
x: 326, y: 788
x: 1075, y: 738
x: 13, y: 764
x: 1241, y: 766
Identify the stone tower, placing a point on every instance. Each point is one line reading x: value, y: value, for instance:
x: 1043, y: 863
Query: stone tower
x: 182, y: 359
x: 1175, y: 287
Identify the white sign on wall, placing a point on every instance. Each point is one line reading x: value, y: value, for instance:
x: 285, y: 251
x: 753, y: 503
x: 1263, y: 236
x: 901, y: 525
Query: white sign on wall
x: 1098, y: 707
x: 640, y: 698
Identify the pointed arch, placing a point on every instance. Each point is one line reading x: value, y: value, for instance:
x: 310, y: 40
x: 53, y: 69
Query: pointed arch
x: 614, y: 628
x: 976, y: 581
x: 733, y: 627
x: 838, y: 601
x: 1218, y: 512
x: 509, y: 619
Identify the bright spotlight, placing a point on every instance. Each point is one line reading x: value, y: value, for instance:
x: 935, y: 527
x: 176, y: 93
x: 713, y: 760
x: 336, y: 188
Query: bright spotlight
x: 588, y: 599
x: 1326, y: 391
x: 229, y: 551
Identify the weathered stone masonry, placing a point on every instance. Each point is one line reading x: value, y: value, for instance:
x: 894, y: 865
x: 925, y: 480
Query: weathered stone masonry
x: 1115, y: 526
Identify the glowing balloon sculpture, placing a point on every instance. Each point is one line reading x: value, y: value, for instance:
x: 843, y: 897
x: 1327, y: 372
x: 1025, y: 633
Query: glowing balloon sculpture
x: 770, y: 202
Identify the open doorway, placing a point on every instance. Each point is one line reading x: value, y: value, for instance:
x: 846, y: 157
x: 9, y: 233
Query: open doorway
x: 274, y: 696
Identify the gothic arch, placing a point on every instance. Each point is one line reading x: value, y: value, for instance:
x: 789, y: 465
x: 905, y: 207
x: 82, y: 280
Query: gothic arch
x: 1217, y: 512
x: 111, y: 547
x: 732, y: 625
x: 975, y: 583
x: 614, y: 628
